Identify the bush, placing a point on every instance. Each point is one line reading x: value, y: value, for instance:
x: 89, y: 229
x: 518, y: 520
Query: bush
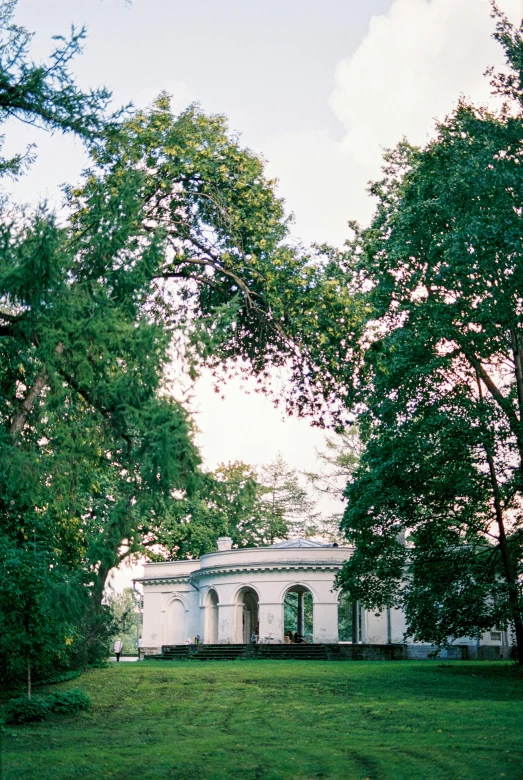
x: 24, y: 710
x: 68, y: 701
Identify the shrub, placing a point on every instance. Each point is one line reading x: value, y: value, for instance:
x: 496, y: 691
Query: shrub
x: 24, y: 710
x: 68, y: 701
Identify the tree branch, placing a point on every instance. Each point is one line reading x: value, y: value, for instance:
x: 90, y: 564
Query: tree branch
x: 503, y: 402
x: 24, y: 410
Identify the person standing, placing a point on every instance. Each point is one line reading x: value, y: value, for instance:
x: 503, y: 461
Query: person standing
x: 118, y: 646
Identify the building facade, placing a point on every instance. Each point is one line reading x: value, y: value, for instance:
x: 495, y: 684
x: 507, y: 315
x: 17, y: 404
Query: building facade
x: 237, y: 596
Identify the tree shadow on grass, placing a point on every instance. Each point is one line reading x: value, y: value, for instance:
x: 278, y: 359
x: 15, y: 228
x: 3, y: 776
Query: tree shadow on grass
x: 477, y: 681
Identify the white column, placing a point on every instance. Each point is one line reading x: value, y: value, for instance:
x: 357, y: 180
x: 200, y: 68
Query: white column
x: 325, y: 622
x: 271, y: 623
x: 363, y: 626
x: 376, y: 628
x: 226, y: 614
x: 325, y: 612
x: 202, y: 624
x: 398, y: 624
x: 300, y: 621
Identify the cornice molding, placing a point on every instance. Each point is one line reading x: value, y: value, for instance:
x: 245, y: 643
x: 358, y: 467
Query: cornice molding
x: 242, y: 568
x: 163, y: 580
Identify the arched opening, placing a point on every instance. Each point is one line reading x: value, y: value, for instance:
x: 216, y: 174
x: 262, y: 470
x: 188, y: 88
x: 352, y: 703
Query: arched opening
x: 246, y: 616
x: 211, y: 618
x: 298, y: 615
x: 349, y: 620
x: 175, y: 627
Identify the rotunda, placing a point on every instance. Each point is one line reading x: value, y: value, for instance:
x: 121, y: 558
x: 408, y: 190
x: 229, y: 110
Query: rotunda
x: 271, y: 595
x: 226, y: 597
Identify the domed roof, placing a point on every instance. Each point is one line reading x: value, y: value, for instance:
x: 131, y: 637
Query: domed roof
x: 299, y: 542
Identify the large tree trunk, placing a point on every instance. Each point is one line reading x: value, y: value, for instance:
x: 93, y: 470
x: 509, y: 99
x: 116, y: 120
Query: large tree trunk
x: 513, y: 585
x: 509, y: 566
x: 99, y: 584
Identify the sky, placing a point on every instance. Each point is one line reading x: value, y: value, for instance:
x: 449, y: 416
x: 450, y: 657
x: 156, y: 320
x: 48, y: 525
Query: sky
x: 319, y: 89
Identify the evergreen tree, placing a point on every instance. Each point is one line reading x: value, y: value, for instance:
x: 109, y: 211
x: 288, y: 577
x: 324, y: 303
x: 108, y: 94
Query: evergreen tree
x: 255, y: 507
x: 41, y: 599
x: 286, y: 503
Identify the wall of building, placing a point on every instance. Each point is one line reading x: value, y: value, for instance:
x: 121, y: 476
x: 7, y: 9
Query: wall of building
x: 171, y: 606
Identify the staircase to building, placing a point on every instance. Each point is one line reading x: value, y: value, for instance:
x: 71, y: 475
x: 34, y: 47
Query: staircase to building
x: 295, y: 652
x: 202, y: 652
x: 233, y: 652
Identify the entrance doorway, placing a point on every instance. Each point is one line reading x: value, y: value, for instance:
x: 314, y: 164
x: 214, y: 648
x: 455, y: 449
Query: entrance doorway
x: 211, y: 618
x: 298, y: 614
x: 246, y: 615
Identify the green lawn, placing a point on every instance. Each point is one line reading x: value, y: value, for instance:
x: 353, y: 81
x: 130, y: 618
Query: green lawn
x: 266, y: 720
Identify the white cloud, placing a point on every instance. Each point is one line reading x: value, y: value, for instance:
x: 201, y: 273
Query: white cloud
x: 410, y: 69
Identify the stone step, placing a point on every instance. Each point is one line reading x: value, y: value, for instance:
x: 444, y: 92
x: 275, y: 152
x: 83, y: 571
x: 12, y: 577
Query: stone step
x: 225, y: 653
x: 338, y: 652
x: 232, y: 652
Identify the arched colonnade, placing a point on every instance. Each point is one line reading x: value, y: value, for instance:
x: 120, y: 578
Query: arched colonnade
x: 298, y: 612
x: 228, y: 595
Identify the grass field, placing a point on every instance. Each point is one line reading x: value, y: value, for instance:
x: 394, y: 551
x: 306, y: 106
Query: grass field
x: 270, y: 720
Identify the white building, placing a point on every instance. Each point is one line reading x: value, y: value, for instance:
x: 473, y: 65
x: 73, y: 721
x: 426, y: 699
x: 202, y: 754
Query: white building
x: 226, y: 596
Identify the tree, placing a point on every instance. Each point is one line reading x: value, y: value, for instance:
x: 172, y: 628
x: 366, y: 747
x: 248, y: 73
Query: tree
x: 88, y: 313
x: 338, y: 463
x: 193, y: 214
x: 440, y: 374
x: 41, y: 599
x: 240, y: 496
x: 177, y: 228
x: 127, y: 619
x: 174, y: 233
x: 38, y: 627
x: 286, y: 504
x: 225, y: 502
x: 255, y: 507
x: 45, y: 95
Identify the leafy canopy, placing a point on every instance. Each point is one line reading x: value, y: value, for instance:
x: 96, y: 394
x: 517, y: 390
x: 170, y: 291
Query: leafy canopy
x: 438, y: 375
